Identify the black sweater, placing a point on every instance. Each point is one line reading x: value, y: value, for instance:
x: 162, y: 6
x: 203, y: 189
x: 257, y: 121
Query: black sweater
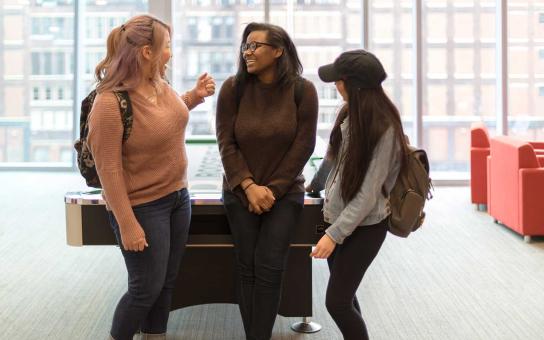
x: 268, y: 138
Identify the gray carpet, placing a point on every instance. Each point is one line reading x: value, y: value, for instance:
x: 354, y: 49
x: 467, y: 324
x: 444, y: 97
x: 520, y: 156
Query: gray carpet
x: 461, y: 277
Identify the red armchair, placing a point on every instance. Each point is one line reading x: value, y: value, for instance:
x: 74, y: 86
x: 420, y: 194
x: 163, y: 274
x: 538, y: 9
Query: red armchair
x: 539, y: 150
x: 479, y: 150
x: 515, y: 186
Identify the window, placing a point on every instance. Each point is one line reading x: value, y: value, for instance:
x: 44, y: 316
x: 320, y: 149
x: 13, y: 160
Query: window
x: 100, y: 29
x: 217, y: 23
x: 216, y: 66
x: 208, y: 43
x: 71, y: 58
x: 35, y: 24
x: 525, y: 70
x: 317, y: 29
x: 111, y: 24
x: 35, y: 63
x: 192, y: 27
x: 41, y: 130
x: 41, y: 154
x: 392, y: 41
x: 60, y: 69
x: 66, y: 154
x: 58, y: 28
x: 456, y: 82
x: 459, y: 64
x: 47, y: 64
x: 229, y: 22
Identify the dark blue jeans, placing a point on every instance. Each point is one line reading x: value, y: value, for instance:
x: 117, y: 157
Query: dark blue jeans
x: 152, y: 273
x: 262, y: 245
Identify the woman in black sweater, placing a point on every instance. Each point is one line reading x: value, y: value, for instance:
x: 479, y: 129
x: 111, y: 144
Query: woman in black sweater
x: 266, y: 128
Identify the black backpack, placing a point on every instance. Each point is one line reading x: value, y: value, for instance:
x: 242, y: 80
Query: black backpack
x: 85, y: 161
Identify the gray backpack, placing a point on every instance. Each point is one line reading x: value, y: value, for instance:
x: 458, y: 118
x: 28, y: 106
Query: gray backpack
x: 409, y: 194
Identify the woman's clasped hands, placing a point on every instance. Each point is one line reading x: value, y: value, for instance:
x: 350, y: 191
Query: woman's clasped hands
x: 260, y: 197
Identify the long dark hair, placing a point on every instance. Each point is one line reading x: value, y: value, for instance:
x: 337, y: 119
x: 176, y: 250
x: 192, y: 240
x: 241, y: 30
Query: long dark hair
x: 289, y: 65
x: 370, y: 113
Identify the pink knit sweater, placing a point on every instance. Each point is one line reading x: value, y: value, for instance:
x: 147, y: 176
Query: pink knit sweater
x: 151, y: 163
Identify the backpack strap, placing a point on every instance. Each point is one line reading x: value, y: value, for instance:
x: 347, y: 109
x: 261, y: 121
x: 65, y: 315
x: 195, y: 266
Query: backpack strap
x: 125, y: 106
x: 238, y: 92
x: 299, y: 90
x: 86, y: 106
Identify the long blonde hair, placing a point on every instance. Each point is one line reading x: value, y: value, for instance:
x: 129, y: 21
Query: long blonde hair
x: 121, y: 69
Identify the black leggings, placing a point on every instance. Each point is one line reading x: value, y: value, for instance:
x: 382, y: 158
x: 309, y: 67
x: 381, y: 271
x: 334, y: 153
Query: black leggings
x: 348, y: 264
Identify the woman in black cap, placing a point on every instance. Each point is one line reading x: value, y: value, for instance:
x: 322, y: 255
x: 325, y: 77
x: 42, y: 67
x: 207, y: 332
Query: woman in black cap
x: 365, y: 156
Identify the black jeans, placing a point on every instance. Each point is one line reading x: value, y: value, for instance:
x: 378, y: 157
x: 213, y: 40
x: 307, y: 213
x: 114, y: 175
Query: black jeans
x: 152, y: 273
x: 348, y: 264
x: 262, y: 245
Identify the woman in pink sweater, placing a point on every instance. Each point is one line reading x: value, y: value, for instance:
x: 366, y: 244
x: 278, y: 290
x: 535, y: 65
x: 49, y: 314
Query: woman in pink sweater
x: 144, y: 179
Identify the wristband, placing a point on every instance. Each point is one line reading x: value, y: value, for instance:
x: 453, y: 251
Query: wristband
x: 250, y: 184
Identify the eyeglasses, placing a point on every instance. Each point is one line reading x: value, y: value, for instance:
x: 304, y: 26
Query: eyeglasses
x: 252, y: 46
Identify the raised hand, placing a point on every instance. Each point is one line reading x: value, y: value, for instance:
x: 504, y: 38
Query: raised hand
x: 205, y: 86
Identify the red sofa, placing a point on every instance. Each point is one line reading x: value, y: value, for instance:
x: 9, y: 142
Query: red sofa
x: 479, y: 150
x: 515, y: 186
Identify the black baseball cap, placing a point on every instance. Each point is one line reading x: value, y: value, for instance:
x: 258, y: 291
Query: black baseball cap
x: 361, y: 67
